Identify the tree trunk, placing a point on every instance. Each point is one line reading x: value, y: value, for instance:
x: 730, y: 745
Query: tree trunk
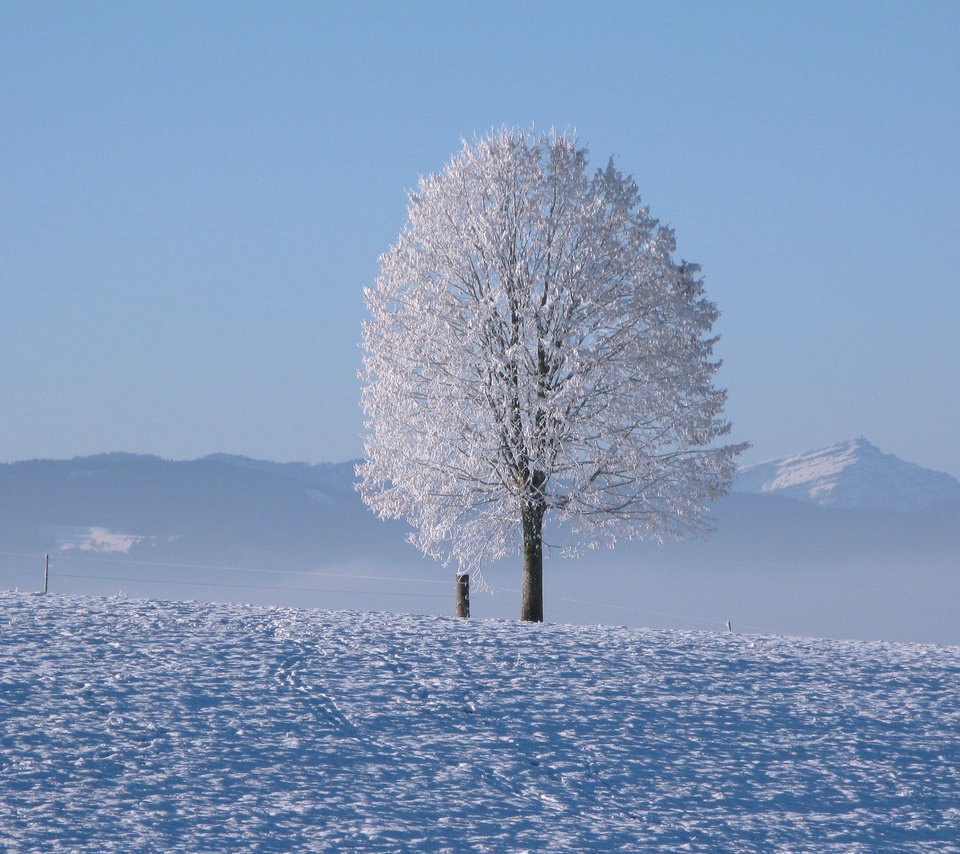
x: 531, y: 595
x: 463, y: 595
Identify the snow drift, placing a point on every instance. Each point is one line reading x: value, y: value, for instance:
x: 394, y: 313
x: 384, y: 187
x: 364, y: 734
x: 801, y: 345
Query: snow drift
x: 147, y: 726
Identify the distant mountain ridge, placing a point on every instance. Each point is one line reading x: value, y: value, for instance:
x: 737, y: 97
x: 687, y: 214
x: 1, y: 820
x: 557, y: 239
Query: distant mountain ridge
x: 216, y: 509
x: 842, y: 542
x: 853, y: 475
x: 340, y: 475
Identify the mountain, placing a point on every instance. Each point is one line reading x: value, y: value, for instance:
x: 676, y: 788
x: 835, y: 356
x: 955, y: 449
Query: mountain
x: 235, y: 529
x: 212, y: 510
x: 854, y: 475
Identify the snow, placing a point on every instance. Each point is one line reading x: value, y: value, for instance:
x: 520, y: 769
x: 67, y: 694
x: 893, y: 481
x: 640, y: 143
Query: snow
x: 850, y: 474
x: 135, y: 725
x: 96, y: 539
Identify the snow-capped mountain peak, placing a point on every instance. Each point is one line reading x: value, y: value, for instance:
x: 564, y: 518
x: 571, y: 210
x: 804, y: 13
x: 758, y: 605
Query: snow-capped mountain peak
x: 850, y: 474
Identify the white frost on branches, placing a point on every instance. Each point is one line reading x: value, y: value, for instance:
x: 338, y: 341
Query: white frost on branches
x: 532, y: 342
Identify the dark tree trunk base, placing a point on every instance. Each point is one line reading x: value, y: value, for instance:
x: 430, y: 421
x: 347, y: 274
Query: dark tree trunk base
x: 531, y: 593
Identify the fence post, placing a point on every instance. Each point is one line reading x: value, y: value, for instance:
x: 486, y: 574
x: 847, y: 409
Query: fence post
x: 46, y: 573
x: 463, y: 595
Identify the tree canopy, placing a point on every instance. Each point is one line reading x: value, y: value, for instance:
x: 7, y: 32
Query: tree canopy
x: 533, y: 348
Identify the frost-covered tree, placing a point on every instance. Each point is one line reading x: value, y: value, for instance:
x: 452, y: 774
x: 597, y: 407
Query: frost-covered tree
x: 533, y: 348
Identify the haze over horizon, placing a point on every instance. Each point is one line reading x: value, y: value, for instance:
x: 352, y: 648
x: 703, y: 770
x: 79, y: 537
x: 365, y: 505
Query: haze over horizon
x: 845, y: 543
x: 195, y: 196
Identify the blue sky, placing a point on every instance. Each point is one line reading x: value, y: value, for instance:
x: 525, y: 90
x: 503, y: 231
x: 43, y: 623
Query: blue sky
x: 192, y: 197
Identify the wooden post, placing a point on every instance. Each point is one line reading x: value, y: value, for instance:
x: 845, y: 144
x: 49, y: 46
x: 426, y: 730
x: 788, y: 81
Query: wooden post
x: 463, y: 595
x: 46, y: 572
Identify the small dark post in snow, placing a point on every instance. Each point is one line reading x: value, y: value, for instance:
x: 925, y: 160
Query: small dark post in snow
x: 729, y: 627
x: 46, y: 572
x: 463, y: 595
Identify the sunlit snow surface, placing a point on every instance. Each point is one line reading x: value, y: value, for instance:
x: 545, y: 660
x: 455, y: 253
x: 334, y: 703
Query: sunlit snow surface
x: 150, y: 726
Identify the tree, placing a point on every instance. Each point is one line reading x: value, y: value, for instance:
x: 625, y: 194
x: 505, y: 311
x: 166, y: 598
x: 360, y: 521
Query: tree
x: 532, y: 348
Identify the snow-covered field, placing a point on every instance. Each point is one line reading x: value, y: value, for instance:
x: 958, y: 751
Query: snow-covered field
x: 153, y: 726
